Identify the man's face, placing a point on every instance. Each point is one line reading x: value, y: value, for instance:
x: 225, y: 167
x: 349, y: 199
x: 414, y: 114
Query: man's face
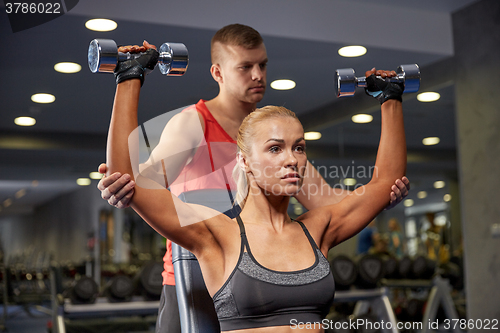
x: 244, y: 72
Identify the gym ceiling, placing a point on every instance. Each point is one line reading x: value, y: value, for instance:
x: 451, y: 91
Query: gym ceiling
x: 302, y: 39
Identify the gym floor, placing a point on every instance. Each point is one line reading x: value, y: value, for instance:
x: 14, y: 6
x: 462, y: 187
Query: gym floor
x: 24, y: 320
x: 38, y: 320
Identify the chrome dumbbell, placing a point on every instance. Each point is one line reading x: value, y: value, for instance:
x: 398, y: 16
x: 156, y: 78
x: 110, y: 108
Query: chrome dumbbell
x: 103, y: 56
x: 346, y: 82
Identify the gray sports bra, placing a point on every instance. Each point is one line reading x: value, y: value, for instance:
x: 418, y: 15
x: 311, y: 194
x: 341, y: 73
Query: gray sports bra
x: 254, y: 296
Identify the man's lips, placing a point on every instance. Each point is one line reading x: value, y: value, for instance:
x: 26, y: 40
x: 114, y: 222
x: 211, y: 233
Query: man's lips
x: 257, y: 89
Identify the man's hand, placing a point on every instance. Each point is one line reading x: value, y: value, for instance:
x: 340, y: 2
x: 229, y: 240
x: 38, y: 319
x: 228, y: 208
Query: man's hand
x: 117, y: 189
x: 400, y: 190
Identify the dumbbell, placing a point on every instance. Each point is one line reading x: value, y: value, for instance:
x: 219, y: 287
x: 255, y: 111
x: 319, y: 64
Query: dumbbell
x: 346, y: 82
x: 370, y: 271
x: 84, y: 291
x: 119, y: 288
x: 344, y: 271
x: 149, y: 280
x: 103, y: 57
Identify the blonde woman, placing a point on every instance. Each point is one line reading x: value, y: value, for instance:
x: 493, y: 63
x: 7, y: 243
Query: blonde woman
x: 266, y: 272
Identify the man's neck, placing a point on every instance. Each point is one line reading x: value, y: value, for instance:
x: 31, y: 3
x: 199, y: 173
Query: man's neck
x: 229, y: 113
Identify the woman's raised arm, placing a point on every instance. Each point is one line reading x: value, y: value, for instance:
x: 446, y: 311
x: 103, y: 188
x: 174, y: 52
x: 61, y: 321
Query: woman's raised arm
x: 353, y: 213
x: 158, y: 207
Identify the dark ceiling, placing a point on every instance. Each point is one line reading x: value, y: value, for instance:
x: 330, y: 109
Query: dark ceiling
x: 68, y: 140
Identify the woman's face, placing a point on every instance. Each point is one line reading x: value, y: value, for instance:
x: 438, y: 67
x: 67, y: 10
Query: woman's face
x: 278, y: 159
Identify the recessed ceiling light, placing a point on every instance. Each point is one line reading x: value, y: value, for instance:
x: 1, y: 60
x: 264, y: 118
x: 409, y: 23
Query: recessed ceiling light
x: 430, y: 141
x: 298, y: 210
x: 7, y: 202
x: 312, y: 135
x: 422, y: 194
x: 43, y: 98
x: 67, y: 67
x: 95, y: 175
x: 284, y: 84
x: 101, y: 25
x: 362, y: 118
x: 83, y: 181
x: 447, y: 197
x: 352, y: 51
x: 19, y: 194
x: 25, y: 121
x: 439, y: 184
x: 350, y: 181
x: 428, y: 96
x: 408, y: 202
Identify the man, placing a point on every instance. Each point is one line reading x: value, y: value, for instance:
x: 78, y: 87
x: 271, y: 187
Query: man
x: 239, y: 62
x: 366, y: 238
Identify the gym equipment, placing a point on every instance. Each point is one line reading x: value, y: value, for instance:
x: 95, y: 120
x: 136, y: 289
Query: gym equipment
x: 414, y: 310
x: 370, y: 301
x: 150, y: 281
x: 84, y: 291
x: 405, y: 268
x: 196, y: 307
x: 103, y: 56
x: 390, y: 266
x: 423, y: 267
x: 338, y: 323
x: 346, y: 82
x: 344, y: 271
x: 454, y: 273
x: 369, y: 323
x: 370, y: 271
x: 120, y: 288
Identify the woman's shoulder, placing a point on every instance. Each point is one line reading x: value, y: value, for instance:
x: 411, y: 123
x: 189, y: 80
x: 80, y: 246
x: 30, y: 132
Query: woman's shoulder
x: 316, y: 220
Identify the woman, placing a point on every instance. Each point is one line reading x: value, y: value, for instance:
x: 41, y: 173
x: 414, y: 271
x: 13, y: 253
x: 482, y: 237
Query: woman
x: 266, y: 272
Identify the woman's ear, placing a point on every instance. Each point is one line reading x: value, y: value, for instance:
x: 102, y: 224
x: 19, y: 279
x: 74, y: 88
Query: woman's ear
x: 242, y: 162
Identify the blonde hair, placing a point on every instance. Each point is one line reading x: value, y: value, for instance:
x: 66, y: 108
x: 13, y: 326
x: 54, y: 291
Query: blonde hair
x: 244, y: 141
x: 237, y: 35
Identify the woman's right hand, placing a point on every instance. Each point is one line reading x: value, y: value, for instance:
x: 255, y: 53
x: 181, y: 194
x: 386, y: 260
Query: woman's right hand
x: 139, y: 67
x: 136, y: 48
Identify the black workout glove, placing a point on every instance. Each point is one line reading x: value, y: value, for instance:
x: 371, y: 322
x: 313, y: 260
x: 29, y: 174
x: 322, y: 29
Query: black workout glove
x: 383, y: 90
x: 136, y: 68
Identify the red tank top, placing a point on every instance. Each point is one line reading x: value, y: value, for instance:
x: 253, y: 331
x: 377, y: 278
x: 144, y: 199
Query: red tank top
x: 210, y: 168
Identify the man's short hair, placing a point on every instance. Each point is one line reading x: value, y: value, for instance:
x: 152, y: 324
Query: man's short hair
x: 236, y: 35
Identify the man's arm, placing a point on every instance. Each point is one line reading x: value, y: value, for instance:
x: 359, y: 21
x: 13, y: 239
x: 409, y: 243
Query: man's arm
x: 178, y: 142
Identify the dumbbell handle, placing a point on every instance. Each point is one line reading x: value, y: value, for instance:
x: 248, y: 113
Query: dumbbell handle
x: 168, y: 64
x: 399, y: 78
x: 163, y: 58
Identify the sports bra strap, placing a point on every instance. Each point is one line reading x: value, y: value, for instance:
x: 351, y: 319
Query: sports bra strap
x: 242, y: 227
x: 243, y: 236
x: 244, y: 240
x: 311, y: 240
